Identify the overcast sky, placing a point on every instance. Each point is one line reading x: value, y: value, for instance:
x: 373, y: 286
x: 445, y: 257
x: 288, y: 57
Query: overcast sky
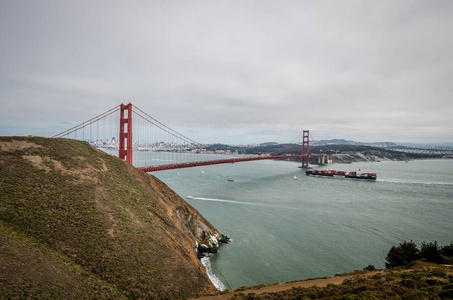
x: 232, y: 71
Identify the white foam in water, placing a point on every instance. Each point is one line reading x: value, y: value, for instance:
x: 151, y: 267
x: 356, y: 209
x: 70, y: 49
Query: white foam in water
x: 216, y: 281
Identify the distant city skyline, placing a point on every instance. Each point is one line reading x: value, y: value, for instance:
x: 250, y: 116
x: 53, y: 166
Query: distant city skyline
x: 232, y: 72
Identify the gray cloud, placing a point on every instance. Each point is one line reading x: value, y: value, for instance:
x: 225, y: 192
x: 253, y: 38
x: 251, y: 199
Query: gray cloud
x: 228, y: 71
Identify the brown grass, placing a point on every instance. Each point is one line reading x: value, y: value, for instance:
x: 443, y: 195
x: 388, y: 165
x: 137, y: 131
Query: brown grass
x: 75, y: 221
x: 418, y: 281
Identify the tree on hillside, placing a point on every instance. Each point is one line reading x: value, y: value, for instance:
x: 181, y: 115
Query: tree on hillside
x: 408, y: 252
x: 431, y: 252
x: 402, y: 255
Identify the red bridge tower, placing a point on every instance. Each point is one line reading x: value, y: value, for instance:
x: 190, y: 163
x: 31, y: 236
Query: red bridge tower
x: 305, y: 149
x: 126, y: 152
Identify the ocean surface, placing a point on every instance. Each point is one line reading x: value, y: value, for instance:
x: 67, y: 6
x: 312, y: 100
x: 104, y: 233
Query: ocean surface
x: 284, y: 229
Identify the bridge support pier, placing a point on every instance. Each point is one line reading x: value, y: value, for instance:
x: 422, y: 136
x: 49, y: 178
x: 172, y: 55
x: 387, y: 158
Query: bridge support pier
x: 125, y: 149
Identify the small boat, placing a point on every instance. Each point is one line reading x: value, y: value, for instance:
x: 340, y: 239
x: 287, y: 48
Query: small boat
x: 230, y: 179
x: 295, y: 177
x: 189, y: 197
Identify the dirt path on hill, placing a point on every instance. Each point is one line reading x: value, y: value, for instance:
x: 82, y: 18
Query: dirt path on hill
x: 319, y: 282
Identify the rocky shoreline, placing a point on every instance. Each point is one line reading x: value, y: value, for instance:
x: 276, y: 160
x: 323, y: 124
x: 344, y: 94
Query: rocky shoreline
x: 212, y: 244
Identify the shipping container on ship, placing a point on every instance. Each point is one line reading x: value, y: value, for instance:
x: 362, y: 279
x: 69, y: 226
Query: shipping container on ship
x: 331, y: 173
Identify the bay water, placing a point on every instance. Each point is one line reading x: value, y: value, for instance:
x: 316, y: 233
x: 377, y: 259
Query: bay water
x: 283, y: 229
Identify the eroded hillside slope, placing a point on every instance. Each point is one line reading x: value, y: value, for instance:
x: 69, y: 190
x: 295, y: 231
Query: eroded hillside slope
x: 76, y: 222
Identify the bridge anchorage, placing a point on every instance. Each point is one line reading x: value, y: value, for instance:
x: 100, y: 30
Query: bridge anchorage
x: 157, y: 147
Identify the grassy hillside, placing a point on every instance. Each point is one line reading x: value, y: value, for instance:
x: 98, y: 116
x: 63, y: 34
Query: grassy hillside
x: 419, y: 280
x: 78, y: 223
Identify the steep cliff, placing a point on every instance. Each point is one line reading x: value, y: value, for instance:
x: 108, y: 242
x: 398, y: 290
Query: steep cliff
x: 78, y: 223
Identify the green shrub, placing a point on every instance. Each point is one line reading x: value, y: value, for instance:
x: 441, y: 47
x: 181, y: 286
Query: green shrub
x: 447, y: 250
x: 438, y: 272
x: 402, y: 255
x: 331, y: 284
x: 370, y: 268
x: 446, y: 294
x: 431, y: 252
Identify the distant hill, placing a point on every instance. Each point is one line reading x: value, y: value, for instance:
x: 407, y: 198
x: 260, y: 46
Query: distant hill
x: 426, y: 145
x: 379, y: 144
x: 333, y: 142
x: 268, y: 144
x: 349, y: 142
x: 78, y: 223
x: 342, y: 153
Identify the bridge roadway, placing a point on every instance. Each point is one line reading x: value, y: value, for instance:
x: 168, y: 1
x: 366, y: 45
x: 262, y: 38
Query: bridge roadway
x: 218, y: 162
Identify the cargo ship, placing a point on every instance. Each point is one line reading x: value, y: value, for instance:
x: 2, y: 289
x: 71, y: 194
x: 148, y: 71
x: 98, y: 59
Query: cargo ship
x: 331, y: 173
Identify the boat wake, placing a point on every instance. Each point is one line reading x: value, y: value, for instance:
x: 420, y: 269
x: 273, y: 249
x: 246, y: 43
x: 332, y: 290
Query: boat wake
x: 240, y: 202
x: 223, y: 200
x: 228, y: 201
x: 401, y: 181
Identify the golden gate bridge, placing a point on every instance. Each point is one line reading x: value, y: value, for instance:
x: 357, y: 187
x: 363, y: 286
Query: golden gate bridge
x: 126, y: 129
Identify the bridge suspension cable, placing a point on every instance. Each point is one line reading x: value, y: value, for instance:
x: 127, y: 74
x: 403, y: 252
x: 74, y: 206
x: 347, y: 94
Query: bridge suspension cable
x: 292, y: 145
x: 162, y: 126
x: 156, y: 146
x: 87, y: 123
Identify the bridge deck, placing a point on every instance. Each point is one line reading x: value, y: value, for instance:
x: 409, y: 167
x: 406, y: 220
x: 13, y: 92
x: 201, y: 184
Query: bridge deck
x: 217, y: 162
